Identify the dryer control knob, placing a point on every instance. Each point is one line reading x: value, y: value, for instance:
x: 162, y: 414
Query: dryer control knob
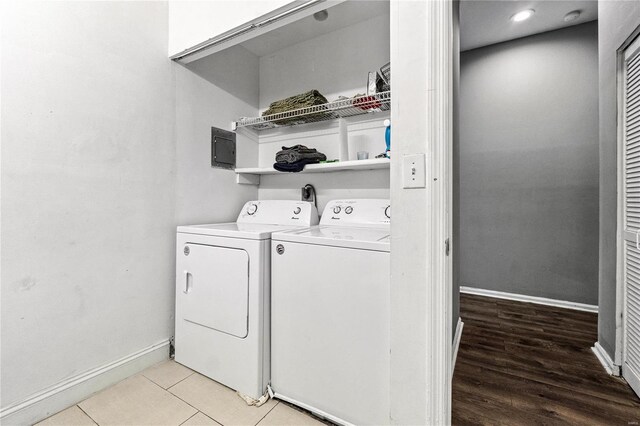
x: 297, y: 210
x: 348, y: 210
x: 252, y: 209
x: 337, y: 209
x: 387, y: 212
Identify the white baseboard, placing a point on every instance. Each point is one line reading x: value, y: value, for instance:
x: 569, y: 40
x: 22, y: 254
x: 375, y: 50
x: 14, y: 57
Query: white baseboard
x: 605, y: 360
x: 530, y: 299
x: 77, y: 388
x: 456, y: 344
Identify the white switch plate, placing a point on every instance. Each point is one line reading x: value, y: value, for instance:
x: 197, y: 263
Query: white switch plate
x: 413, y: 171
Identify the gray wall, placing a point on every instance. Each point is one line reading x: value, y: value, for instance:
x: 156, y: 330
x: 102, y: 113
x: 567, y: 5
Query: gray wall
x: 529, y: 166
x: 617, y: 21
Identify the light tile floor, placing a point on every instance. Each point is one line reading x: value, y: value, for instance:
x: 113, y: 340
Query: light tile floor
x: 171, y: 394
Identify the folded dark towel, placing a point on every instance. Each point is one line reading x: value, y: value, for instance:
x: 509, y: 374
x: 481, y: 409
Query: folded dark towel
x: 297, y: 166
x: 298, y: 152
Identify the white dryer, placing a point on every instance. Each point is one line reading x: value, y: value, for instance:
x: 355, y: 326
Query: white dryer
x: 330, y: 314
x: 222, y: 293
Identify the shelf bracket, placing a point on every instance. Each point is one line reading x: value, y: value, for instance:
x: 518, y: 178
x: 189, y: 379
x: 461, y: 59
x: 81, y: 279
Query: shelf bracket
x: 247, y: 179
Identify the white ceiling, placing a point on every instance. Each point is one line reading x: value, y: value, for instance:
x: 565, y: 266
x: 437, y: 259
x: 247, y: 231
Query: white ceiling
x: 340, y: 16
x: 487, y: 22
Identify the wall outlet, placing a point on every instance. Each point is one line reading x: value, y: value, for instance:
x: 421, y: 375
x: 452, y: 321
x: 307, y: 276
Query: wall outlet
x: 413, y: 171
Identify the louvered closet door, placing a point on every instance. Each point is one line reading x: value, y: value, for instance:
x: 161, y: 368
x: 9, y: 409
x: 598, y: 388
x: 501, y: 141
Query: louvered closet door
x: 631, y: 206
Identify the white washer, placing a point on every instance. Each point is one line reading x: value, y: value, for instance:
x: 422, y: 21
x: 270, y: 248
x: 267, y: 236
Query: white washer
x: 330, y: 314
x: 222, y: 293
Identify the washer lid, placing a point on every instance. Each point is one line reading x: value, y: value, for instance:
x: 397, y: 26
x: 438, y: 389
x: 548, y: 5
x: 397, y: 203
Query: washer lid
x: 337, y: 236
x: 250, y: 231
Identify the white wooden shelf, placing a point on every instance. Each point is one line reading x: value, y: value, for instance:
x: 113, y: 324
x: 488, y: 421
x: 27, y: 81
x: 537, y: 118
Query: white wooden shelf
x: 376, y: 163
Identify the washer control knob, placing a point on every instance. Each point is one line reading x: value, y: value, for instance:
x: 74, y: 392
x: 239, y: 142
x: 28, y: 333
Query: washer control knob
x: 297, y: 210
x: 337, y: 209
x: 348, y: 210
x: 387, y: 212
x: 252, y: 209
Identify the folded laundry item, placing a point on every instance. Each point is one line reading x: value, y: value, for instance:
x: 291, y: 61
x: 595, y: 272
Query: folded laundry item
x: 303, y: 100
x: 297, y: 153
x: 298, y: 166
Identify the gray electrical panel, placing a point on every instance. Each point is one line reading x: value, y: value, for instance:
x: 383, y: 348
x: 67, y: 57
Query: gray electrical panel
x: 223, y: 149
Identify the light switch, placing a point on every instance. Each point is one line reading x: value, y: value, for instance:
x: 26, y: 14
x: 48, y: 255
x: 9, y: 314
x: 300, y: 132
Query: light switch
x: 413, y: 171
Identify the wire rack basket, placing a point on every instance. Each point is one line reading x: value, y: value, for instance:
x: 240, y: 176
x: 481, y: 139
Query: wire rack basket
x: 350, y: 107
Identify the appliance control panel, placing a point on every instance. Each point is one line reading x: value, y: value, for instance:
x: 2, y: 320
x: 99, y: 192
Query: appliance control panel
x: 365, y: 212
x: 279, y: 212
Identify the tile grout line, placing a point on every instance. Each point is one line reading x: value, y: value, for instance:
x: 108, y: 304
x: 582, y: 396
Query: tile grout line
x: 198, y: 411
x: 175, y: 396
x: 209, y: 417
x: 267, y: 413
x: 87, y: 414
x: 179, y: 381
x: 195, y: 414
x: 176, y: 383
x: 212, y: 418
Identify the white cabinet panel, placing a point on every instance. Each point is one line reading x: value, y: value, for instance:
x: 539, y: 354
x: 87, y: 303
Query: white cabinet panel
x: 193, y: 22
x: 330, y: 330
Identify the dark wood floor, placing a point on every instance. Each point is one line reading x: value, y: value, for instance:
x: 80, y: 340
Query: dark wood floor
x: 522, y: 364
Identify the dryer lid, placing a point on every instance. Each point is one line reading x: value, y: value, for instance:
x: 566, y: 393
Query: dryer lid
x: 250, y: 231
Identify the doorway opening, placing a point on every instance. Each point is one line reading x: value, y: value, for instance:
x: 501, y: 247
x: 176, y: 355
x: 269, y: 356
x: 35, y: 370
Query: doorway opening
x: 526, y: 220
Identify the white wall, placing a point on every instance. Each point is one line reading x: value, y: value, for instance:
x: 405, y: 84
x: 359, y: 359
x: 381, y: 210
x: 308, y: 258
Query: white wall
x: 205, y: 194
x: 363, y: 134
x: 336, y: 63
x: 192, y: 22
x: 329, y: 186
x: 234, y: 70
x: 88, y: 183
x: 106, y: 148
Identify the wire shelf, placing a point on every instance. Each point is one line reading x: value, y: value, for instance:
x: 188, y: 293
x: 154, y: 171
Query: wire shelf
x: 342, y: 108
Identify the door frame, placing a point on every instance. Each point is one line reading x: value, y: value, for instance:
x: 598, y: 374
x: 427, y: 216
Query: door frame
x: 621, y: 313
x: 422, y: 49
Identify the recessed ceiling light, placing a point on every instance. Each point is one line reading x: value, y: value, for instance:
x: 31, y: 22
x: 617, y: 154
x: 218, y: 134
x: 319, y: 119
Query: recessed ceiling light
x: 523, y: 15
x: 572, y: 16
